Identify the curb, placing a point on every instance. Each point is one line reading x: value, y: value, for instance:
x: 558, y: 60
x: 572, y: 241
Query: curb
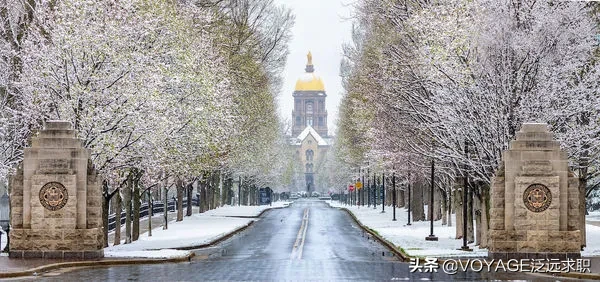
x: 399, y: 253
x: 217, y: 240
x: 91, y: 263
x: 125, y: 261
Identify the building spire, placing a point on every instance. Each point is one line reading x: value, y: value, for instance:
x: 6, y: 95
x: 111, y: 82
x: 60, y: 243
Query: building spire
x: 309, y: 64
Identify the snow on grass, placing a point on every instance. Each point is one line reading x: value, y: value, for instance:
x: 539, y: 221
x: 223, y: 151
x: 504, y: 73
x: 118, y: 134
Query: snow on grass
x: 411, y: 238
x: 192, y: 231
x: 195, y: 230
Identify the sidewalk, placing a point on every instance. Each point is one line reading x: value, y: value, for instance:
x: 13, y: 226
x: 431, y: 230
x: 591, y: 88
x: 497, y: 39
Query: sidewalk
x: 196, y: 231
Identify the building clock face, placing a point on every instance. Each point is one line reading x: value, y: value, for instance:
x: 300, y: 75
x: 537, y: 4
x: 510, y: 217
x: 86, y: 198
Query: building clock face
x: 537, y: 197
x: 53, y: 196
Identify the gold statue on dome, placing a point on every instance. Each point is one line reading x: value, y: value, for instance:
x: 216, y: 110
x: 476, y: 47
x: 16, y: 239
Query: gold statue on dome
x: 309, y: 57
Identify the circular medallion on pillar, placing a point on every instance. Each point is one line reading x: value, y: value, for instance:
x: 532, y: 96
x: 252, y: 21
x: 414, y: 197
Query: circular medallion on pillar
x: 537, y: 197
x: 53, y: 196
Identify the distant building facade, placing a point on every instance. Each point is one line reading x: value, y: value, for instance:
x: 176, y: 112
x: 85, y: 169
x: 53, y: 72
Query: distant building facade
x: 309, y: 127
x: 309, y: 102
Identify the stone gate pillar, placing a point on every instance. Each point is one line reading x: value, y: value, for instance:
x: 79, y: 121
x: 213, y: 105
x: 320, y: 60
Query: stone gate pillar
x: 534, y: 200
x: 56, y: 199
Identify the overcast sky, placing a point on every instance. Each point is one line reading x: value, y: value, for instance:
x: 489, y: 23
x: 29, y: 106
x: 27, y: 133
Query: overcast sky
x: 321, y: 27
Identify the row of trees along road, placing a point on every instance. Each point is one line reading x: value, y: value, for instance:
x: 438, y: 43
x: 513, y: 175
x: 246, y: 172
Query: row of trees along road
x: 165, y: 93
x: 452, y: 81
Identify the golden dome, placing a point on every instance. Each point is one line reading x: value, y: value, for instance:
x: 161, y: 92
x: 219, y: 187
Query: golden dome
x: 309, y: 81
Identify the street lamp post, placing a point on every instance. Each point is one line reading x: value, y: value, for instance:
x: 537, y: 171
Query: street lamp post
x: 394, y: 195
x: 431, y: 237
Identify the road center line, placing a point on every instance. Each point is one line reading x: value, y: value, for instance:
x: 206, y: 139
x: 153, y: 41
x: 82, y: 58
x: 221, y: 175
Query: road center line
x: 301, y: 248
x: 299, y: 243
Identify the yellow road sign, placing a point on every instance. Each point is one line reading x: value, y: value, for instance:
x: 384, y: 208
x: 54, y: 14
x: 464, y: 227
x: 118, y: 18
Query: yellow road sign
x: 358, y: 185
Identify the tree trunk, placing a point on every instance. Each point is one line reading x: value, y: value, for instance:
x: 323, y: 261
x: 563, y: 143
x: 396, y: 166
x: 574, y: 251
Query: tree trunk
x: 107, y: 196
x: 458, y: 199
x: 203, y: 197
x: 189, y: 190
x: 477, y: 221
x: 220, y: 194
x: 427, y: 201
x: 437, y: 205
x: 136, y: 205
x: 485, y: 207
x: 449, y: 201
x: 470, y: 216
x: 418, y: 212
x: 400, y: 198
x: 105, y: 204
x: 179, y: 187
x: 209, y: 196
x: 165, y: 203
x: 582, y: 210
x: 444, y: 202
x: 117, y: 240
x: 127, y: 194
x: 150, y: 212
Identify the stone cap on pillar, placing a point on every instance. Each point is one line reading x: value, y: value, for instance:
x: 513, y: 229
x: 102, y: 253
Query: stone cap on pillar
x: 56, y: 134
x: 534, y: 136
x: 58, y: 124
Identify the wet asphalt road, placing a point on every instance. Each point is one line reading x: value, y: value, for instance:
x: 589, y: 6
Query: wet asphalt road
x: 307, y: 241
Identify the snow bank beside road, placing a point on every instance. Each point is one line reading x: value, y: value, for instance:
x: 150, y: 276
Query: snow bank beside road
x: 411, y: 238
x: 196, y: 230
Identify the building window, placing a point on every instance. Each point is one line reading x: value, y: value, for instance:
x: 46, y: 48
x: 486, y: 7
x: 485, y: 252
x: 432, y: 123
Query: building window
x: 309, y: 108
x: 321, y: 107
x: 309, y: 168
x: 309, y: 121
x: 320, y: 121
x: 309, y: 155
x: 298, y: 120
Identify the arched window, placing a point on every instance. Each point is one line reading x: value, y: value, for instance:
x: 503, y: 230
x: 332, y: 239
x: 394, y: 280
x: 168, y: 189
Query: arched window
x: 309, y: 168
x: 309, y: 155
x: 309, y: 108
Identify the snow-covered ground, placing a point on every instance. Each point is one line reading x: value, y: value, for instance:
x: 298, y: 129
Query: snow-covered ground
x: 203, y: 228
x: 411, y: 238
x: 195, y: 230
x: 593, y: 216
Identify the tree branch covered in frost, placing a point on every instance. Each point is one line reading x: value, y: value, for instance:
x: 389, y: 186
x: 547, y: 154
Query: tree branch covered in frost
x: 437, y: 75
x: 155, y: 85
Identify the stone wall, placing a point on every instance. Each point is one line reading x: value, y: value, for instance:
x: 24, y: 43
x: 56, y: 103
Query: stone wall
x: 534, y: 159
x: 56, y: 199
